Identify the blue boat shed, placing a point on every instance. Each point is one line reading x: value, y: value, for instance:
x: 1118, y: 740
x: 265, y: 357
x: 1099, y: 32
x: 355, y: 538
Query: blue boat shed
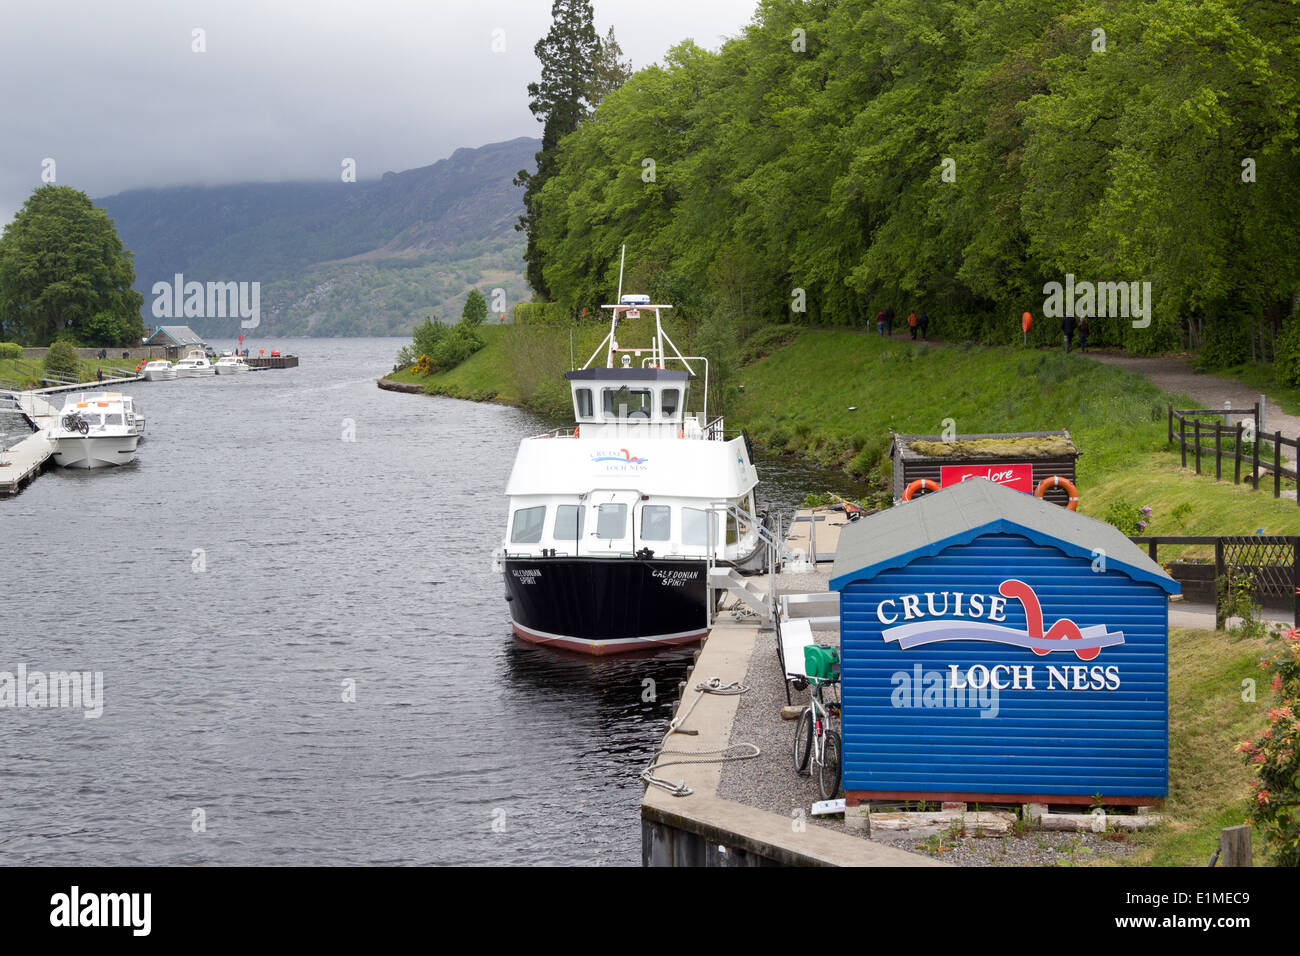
x: 997, y: 648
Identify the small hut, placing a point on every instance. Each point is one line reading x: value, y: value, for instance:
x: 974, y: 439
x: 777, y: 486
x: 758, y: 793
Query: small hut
x: 1018, y: 460
x: 996, y: 648
x: 176, y: 339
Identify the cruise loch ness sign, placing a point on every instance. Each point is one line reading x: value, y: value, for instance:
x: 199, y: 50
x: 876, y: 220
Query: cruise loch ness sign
x: 997, y: 648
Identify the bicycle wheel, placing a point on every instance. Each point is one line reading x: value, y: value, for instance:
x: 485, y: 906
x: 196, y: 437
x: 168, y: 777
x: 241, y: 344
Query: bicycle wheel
x: 803, y: 738
x: 828, y: 779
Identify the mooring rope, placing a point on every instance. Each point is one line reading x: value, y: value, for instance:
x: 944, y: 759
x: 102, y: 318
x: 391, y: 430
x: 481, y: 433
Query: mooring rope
x: 744, y: 751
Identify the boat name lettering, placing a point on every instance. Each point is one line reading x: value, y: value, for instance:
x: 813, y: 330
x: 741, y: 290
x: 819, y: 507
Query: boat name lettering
x: 526, y: 575
x: 674, y: 579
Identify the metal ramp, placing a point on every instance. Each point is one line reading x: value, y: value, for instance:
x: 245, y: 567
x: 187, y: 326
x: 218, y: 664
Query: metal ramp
x: 743, y: 588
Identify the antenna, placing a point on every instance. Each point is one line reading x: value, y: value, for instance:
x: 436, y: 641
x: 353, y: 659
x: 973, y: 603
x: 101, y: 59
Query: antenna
x: 621, y: 255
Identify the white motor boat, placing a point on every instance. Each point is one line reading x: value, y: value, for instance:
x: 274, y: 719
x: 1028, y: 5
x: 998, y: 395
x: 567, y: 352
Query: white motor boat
x: 231, y: 365
x: 95, y: 431
x: 159, y: 370
x: 194, y: 365
x: 618, y: 525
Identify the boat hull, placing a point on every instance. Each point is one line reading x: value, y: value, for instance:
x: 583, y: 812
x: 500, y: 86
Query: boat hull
x: 156, y: 375
x: 103, y: 452
x: 607, y: 605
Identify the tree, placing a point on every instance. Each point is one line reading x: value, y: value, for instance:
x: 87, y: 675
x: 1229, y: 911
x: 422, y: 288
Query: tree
x: 559, y: 101
x: 64, y: 272
x: 62, y: 361
x: 610, y: 72
x: 475, y: 310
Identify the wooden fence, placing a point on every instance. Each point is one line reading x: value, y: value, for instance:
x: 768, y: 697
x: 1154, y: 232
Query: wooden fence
x: 1272, y: 563
x: 1191, y: 428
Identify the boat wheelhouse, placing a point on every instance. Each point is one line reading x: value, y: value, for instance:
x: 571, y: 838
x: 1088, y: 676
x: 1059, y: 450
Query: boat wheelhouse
x: 615, y: 524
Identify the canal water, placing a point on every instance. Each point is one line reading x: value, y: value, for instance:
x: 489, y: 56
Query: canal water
x: 305, y: 655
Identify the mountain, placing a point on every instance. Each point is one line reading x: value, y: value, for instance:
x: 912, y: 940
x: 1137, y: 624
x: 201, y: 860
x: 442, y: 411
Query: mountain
x: 365, y: 258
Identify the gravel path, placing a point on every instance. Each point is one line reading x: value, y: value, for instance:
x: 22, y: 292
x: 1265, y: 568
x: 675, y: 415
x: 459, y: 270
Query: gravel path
x: 1175, y: 374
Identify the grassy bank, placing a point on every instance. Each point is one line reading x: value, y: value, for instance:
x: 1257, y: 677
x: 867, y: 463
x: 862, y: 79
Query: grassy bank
x: 27, y: 372
x: 1209, y: 784
x: 796, y: 402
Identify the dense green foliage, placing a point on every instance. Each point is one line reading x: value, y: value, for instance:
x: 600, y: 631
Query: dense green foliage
x: 64, y: 274
x: 541, y: 313
x: 61, y: 361
x: 475, y: 310
x: 954, y: 156
x: 10, y: 350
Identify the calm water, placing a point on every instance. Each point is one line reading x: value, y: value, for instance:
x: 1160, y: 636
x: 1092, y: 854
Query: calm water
x: 252, y: 570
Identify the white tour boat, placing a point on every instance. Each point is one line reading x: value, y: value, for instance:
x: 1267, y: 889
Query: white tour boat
x: 615, y: 524
x: 95, y: 431
x: 194, y: 365
x: 159, y: 370
x: 231, y: 365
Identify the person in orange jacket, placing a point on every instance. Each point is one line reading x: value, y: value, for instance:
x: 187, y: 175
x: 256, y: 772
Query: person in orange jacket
x: 911, y: 322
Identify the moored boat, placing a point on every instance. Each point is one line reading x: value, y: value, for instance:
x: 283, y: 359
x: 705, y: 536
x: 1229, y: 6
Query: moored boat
x: 615, y: 524
x: 194, y: 365
x: 95, y: 431
x: 231, y: 365
x: 159, y: 370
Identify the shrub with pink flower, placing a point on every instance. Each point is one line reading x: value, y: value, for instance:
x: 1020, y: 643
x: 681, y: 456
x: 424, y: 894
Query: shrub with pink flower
x: 1274, y: 755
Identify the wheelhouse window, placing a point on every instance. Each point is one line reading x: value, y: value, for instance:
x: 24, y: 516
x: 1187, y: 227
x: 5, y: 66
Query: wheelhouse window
x: 671, y: 402
x: 582, y: 404
x: 568, y: 522
x: 655, y: 522
x: 611, y: 521
x: 527, y: 528
x: 627, y: 402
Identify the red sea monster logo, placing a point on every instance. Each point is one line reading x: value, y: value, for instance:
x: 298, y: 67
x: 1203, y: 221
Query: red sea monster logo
x: 1062, y: 630
x: 627, y: 458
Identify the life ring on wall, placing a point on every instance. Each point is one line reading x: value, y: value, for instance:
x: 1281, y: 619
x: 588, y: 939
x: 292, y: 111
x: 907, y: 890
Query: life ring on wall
x: 917, y: 485
x: 1056, y: 481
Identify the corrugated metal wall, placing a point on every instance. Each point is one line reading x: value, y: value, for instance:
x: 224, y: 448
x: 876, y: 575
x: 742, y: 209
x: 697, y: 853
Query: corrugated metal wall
x: 907, y: 471
x: 1042, y: 742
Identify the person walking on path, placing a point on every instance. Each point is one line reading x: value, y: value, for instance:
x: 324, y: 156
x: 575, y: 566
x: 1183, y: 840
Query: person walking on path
x: 911, y: 324
x: 1067, y: 327
x: 1083, y: 334
x: 880, y: 322
x: 889, y: 319
x: 923, y: 323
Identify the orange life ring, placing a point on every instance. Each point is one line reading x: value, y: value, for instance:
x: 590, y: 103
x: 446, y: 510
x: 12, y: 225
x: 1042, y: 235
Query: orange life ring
x: 1056, y: 481
x: 575, y: 431
x: 681, y: 433
x: 914, y: 487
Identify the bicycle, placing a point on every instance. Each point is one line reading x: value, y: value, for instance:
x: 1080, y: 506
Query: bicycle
x: 813, y: 739
x: 75, y: 423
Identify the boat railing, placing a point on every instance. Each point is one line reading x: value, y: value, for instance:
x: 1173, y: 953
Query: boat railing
x: 746, y: 524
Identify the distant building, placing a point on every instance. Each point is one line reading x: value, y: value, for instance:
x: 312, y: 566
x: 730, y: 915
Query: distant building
x: 176, y: 339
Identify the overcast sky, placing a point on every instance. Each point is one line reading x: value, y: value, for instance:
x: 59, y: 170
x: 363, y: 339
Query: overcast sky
x: 286, y: 89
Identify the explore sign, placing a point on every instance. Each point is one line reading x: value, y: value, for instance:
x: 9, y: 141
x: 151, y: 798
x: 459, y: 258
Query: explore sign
x: 1018, y: 476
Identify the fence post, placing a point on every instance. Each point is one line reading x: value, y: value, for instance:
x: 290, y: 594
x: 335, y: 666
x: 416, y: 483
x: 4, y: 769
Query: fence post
x: 1151, y: 550
x: 1254, y: 457
x: 1234, y: 846
x: 1218, y: 450
x: 1236, y: 459
x: 1218, y: 574
x: 1171, y: 425
x: 1295, y: 582
x: 1196, y: 436
x: 1182, y: 438
x: 1277, y: 465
